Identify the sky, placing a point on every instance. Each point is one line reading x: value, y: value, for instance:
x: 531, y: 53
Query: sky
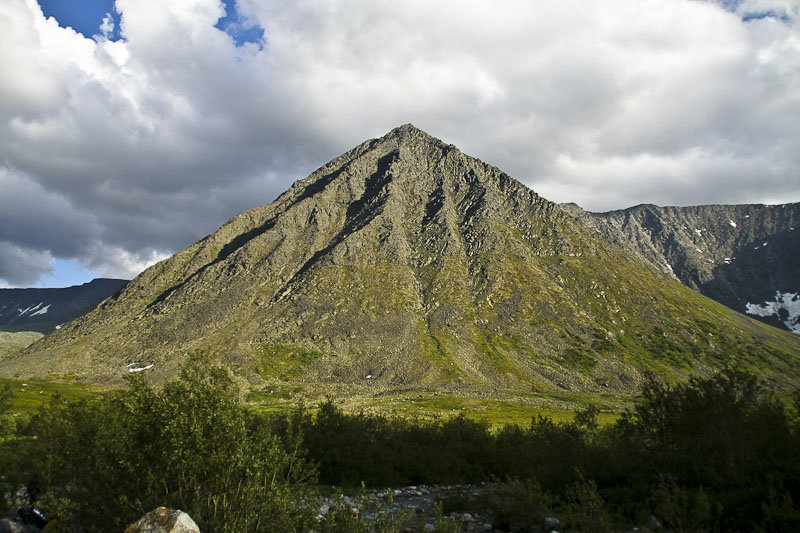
x: 130, y: 129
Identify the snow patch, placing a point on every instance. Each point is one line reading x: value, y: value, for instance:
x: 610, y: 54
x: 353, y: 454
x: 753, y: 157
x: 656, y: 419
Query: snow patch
x: 732, y: 223
x: 699, y: 232
x: 29, y: 309
x: 764, y: 244
x: 787, y: 301
x: 59, y: 326
x: 41, y: 311
x: 136, y: 367
x: 669, y: 267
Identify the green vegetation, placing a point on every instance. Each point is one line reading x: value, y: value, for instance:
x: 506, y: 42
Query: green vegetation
x: 191, y: 446
x: 506, y: 407
x: 283, y: 361
x: 717, y: 453
x: 30, y: 395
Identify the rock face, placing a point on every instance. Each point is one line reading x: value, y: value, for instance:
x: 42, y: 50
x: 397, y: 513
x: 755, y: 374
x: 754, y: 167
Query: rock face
x: 744, y: 256
x: 405, y: 263
x: 43, y: 310
x: 163, y: 520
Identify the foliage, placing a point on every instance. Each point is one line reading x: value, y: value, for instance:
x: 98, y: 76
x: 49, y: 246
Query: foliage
x: 5, y: 397
x: 519, y: 505
x: 723, y: 439
x: 343, y: 517
x: 189, y: 446
x: 715, y: 453
x: 703, y: 454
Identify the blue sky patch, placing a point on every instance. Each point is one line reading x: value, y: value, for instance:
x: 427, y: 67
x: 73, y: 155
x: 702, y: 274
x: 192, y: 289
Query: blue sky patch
x: 241, y: 29
x: 66, y: 272
x: 758, y: 15
x: 84, y: 16
x: 734, y: 5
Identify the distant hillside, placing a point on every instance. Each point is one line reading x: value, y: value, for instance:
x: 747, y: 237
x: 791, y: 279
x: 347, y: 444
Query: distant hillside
x: 13, y: 342
x: 44, y: 310
x: 744, y: 256
x: 405, y: 264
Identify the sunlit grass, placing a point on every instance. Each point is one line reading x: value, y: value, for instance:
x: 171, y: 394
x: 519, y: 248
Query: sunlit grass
x: 29, y: 395
x: 517, y: 409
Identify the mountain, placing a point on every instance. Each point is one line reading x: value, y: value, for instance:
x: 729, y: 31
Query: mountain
x: 406, y: 264
x: 44, y: 310
x: 744, y: 256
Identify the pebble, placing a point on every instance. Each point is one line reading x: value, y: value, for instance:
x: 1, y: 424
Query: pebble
x: 419, y: 501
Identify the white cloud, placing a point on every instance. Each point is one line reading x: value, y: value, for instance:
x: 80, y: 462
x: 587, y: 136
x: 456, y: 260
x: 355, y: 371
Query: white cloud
x: 138, y: 147
x: 107, y: 26
x: 22, y: 266
x: 115, y: 262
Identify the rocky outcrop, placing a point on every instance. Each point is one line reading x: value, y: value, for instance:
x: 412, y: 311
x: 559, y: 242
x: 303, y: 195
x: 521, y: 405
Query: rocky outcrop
x: 163, y: 520
x: 740, y: 255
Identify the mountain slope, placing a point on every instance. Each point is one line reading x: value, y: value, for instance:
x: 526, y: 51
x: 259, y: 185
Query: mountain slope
x: 739, y: 255
x: 406, y: 264
x: 43, y: 310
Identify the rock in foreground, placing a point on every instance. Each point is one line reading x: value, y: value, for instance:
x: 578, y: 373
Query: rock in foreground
x: 163, y: 520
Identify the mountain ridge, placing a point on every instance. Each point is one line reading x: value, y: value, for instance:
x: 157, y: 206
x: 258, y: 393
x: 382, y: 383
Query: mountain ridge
x: 739, y: 255
x: 406, y: 263
x: 44, y: 309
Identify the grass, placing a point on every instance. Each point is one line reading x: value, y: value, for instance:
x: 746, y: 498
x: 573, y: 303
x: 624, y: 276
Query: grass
x: 29, y: 395
x: 283, y: 360
x: 512, y: 408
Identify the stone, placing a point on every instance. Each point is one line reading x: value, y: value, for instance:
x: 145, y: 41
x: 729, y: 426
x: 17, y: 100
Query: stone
x: 23, y: 518
x: 550, y: 523
x: 163, y: 520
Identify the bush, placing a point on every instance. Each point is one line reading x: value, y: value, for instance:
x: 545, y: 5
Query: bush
x: 518, y: 505
x: 716, y: 453
x: 189, y: 446
x: 722, y: 442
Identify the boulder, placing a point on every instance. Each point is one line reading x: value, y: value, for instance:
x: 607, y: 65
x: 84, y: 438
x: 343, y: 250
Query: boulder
x: 550, y: 523
x: 163, y: 520
x: 23, y: 519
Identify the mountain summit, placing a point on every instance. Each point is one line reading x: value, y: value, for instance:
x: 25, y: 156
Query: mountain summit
x: 406, y: 263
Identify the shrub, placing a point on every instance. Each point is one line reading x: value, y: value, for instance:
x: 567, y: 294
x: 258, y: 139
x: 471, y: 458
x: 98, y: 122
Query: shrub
x: 189, y: 446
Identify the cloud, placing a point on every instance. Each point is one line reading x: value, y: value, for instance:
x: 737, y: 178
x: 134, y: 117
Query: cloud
x: 21, y: 266
x: 117, y: 153
x: 107, y: 26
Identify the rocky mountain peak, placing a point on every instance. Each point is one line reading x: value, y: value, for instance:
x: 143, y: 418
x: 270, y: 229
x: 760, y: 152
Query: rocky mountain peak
x: 404, y: 263
x: 408, y: 132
